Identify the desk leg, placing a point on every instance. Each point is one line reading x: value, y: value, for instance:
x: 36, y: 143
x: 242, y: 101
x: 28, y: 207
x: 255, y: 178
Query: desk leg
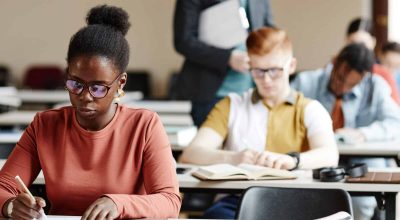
x: 390, y: 205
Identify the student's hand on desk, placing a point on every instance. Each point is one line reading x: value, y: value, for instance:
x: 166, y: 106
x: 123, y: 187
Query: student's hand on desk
x: 102, y: 208
x: 22, y: 207
x: 245, y: 156
x: 275, y: 160
x: 350, y: 135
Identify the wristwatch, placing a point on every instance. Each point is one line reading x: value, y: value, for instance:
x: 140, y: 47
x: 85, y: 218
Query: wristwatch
x: 296, y: 158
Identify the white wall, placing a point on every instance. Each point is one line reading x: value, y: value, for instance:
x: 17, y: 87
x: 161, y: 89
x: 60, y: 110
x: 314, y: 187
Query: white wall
x: 394, y: 20
x: 39, y: 31
x: 317, y: 27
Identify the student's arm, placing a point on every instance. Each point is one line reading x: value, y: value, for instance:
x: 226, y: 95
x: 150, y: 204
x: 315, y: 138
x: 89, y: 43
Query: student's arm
x: 206, y: 147
x: 387, y: 118
x: 162, y: 199
x: 186, y: 41
x: 23, y: 161
x: 323, y: 150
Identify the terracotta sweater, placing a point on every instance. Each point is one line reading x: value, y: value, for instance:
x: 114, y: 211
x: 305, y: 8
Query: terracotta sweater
x: 129, y: 160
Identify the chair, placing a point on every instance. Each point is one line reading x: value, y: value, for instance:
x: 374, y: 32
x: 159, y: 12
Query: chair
x: 172, y: 87
x: 44, y: 77
x: 4, y: 76
x: 138, y: 80
x: 264, y: 203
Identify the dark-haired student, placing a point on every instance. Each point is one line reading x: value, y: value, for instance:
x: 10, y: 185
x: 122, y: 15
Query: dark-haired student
x: 361, y: 30
x: 100, y: 160
x: 360, y: 104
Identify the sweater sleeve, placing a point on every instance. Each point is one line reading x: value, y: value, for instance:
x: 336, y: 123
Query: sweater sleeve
x: 23, y: 161
x: 162, y: 199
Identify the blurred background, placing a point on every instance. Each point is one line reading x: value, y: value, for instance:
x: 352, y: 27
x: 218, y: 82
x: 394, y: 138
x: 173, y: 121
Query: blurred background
x: 38, y: 32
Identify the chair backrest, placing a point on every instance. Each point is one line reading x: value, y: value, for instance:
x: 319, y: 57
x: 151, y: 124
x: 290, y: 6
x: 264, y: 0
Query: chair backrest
x: 138, y: 80
x: 4, y: 76
x: 292, y: 203
x: 44, y: 77
x: 172, y: 87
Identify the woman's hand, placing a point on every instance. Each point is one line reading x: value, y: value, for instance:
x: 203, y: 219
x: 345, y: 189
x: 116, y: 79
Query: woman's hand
x: 23, y: 207
x: 102, y: 208
x: 276, y: 160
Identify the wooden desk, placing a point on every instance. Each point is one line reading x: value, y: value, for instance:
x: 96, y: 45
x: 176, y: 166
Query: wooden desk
x: 388, y: 192
x: 25, y: 117
x: 59, y: 96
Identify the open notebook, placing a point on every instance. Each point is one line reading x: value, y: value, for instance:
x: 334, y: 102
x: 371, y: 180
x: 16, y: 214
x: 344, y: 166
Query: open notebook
x: 241, y: 172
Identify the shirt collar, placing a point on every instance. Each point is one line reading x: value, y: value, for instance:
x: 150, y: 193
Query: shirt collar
x: 290, y: 99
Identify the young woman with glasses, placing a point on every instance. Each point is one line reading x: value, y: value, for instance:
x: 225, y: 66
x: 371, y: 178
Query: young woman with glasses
x: 100, y: 160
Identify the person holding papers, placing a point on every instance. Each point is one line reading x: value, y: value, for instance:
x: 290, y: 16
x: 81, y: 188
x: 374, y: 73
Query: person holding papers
x: 210, y: 34
x: 100, y: 159
x: 272, y: 125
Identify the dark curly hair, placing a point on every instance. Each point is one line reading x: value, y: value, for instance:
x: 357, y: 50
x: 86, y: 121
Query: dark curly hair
x: 103, y: 36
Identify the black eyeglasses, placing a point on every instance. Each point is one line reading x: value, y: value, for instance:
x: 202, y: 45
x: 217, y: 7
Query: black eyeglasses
x: 273, y: 73
x: 96, y: 90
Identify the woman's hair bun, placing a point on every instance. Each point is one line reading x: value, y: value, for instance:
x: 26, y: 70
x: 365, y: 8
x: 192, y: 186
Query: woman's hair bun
x: 110, y: 16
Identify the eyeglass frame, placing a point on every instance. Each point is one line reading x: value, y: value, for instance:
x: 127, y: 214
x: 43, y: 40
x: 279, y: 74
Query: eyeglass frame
x: 87, y: 85
x: 268, y: 71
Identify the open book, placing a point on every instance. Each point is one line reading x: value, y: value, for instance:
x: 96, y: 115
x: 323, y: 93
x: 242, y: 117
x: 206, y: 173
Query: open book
x: 241, y: 172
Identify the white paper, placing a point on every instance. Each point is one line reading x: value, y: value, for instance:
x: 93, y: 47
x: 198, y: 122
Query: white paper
x: 221, y: 25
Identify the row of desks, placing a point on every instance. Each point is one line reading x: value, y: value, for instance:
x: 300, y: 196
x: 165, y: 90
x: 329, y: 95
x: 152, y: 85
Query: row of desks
x: 13, y: 97
x: 188, y: 183
x: 23, y: 118
x: 384, y: 149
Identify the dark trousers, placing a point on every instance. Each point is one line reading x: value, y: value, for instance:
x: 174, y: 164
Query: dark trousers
x: 225, y: 208
x: 200, y: 110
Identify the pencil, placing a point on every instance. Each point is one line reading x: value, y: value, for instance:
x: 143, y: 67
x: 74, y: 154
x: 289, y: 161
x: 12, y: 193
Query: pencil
x: 24, y: 188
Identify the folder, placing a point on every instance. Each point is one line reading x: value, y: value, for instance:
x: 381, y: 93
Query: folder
x: 222, y: 26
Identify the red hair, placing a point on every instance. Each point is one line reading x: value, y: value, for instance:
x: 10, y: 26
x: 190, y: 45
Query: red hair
x: 267, y: 39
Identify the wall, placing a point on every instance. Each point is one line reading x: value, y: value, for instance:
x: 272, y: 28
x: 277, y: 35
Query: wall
x: 34, y: 32
x: 317, y: 27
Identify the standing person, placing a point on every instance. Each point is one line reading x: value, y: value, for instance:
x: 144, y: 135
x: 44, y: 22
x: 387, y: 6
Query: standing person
x: 99, y: 159
x: 360, y: 104
x: 248, y: 128
x: 209, y: 73
x: 389, y: 57
x: 360, y: 30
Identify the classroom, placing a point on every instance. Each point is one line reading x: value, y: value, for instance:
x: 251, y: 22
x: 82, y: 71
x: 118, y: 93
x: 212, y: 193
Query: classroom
x: 200, y: 109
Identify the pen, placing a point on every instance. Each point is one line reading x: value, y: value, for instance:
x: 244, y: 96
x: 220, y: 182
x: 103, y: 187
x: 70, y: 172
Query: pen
x: 24, y: 188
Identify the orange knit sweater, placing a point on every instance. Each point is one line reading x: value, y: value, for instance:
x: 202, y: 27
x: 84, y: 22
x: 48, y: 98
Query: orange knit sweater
x: 129, y: 160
